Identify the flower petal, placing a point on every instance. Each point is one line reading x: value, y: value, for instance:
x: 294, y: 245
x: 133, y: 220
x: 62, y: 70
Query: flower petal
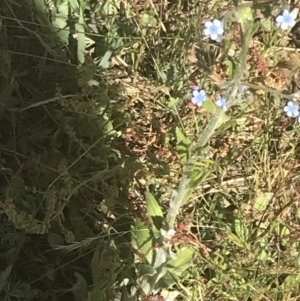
x: 293, y: 15
x: 290, y: 103
x: 279, y: 19
x: 285, y: 12
x: 195, y: 93
x: 206, y: 32
x: 220, y: 30
x: 214, y: 36
x: 194, y: 100
x: 292, y: 23
x: 284, y: 26
x: 217, y: 23
x: 208, y: 24
x: 199, y: 102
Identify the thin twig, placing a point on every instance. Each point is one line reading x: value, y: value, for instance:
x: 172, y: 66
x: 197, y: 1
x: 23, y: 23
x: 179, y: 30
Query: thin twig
x: 43, y: 102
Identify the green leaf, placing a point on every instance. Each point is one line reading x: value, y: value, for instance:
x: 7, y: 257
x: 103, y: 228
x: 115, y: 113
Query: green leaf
x: 109, y: 127
x: 183, y: 260
x: 145, y: 269
x: 61, y: 22
x: 143, y: 241
x: 264, y: 255
x: 281, y: 230
x: 266, y: 24
x: 148, y: 18
x: 237, y: 241
x: 255, y: 27
x: 80, y: 289
x: 291, y: 283
x: 104, y: 63
x: 231, y: 67
x: 199, y: 173
x: 223, y: 119
x: 182, y: 146
x: 166, y: 281
x: 209, y: 106
x: 154, y: 211
x: 241, y: 229
x: 244, y: 15
x: 173, y: 102
x: 96, y: 266
x: 97, y: 293
x: 74, y: 5
x: 55, y: 239
x: 261, y: 200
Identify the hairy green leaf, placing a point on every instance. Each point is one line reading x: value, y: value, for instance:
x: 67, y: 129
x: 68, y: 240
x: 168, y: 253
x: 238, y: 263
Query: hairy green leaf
x: 154, y: 211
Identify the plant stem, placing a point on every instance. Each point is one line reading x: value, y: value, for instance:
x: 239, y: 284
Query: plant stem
x: 179, y: 197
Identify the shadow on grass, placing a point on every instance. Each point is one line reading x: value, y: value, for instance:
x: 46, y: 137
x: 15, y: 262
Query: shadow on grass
x: 65, y: 218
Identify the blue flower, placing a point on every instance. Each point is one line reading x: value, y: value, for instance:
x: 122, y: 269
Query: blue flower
x: 199, y: 96
x: 221, y: 102
x: 286, y: 20
x: 213, y: 30
x: 291, y: 109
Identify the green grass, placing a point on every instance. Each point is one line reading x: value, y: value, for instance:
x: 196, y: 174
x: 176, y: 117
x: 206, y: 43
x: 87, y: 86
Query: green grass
x: 95, y: 121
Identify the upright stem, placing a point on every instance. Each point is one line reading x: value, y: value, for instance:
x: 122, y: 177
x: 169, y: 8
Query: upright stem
x: 179, y: 197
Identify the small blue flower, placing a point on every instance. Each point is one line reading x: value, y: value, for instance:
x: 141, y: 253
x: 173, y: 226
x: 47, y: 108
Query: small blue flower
x: 199, y: 96
x: 286, y: 20
x: 214, y: 30
x: 291, y: 109
x: 221, y: 102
